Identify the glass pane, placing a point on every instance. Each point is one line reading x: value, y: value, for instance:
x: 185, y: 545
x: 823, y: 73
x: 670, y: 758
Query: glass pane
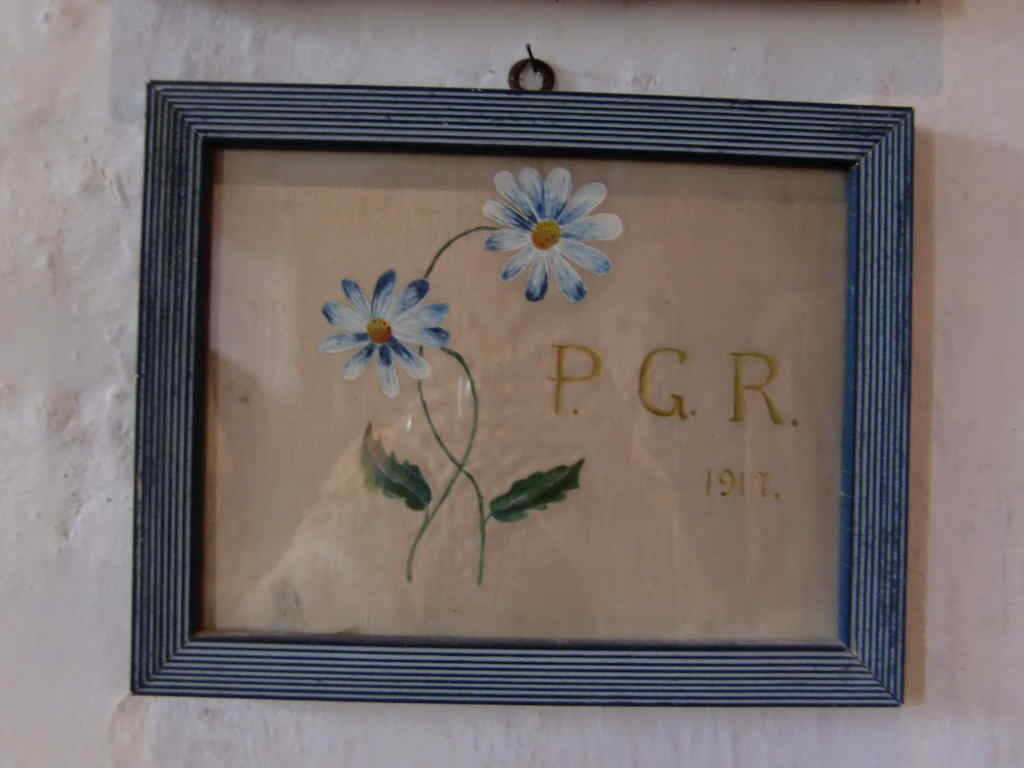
x: 699, y: 382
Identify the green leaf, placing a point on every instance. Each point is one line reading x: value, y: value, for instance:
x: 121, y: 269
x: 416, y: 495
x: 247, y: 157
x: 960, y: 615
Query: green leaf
x: 536, y: 492
x: 395, y: 479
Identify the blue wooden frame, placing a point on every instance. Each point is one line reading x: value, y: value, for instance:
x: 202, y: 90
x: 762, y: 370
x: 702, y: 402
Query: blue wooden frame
x: 186, y: 121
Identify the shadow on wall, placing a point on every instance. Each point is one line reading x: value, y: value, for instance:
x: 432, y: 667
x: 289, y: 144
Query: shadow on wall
x: 965, y: 421
x: 922, y: 398
x: 740, y: 49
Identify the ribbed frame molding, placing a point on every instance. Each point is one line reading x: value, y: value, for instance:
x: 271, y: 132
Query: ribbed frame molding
x: 185, y: 121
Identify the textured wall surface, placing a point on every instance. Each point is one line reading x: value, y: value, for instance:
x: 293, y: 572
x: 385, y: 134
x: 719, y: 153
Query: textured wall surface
x: 71, y: 109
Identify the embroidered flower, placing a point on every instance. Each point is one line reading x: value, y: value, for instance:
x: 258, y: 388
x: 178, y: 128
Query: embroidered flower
x: 387, y: 325
x: 546, y: 227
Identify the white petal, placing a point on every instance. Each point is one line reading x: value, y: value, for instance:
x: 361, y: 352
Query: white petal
x: 355, y: 296
x: 382, y: 294
x: 343, y: 341
x: 537, y: 284
x: 532, y: 185
x: 356, y: 364
x: 344, y: 317
x: 600, y: 226
x: 568, y: 279
x: 515, y: 264
x: 421, y: 317
x: 387, y: 376
x: 424, y: 337
x: 502, y: 213
x: 556, y: 192
x: 506, y: 239
x: 517, y: 197
x: 583, y: 201
x: 585, y: 256
x: 414, y: 365
x: 410, y: 297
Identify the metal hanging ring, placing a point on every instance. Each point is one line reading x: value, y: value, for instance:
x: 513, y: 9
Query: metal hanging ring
x: 539, y: 66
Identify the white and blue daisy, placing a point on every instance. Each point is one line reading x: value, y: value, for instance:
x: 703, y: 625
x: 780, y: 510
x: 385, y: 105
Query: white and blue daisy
x: 546, y: 228
x: 388, y: 325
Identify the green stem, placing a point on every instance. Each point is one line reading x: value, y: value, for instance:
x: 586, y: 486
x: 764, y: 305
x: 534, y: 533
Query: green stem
x: 427, y: 517
x: 443, y: 248
x: 483, y: 541
x: 460, y: 466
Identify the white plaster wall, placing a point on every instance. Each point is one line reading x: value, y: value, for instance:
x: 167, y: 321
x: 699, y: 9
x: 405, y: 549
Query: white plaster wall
x: 71, y: 120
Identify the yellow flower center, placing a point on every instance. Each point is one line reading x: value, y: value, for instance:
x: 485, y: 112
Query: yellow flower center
x: 546, y: 234
x: 379, y: 330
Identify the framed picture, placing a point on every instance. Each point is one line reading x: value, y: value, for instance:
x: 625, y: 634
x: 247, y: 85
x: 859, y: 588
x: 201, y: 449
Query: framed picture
x: 561, y: 398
